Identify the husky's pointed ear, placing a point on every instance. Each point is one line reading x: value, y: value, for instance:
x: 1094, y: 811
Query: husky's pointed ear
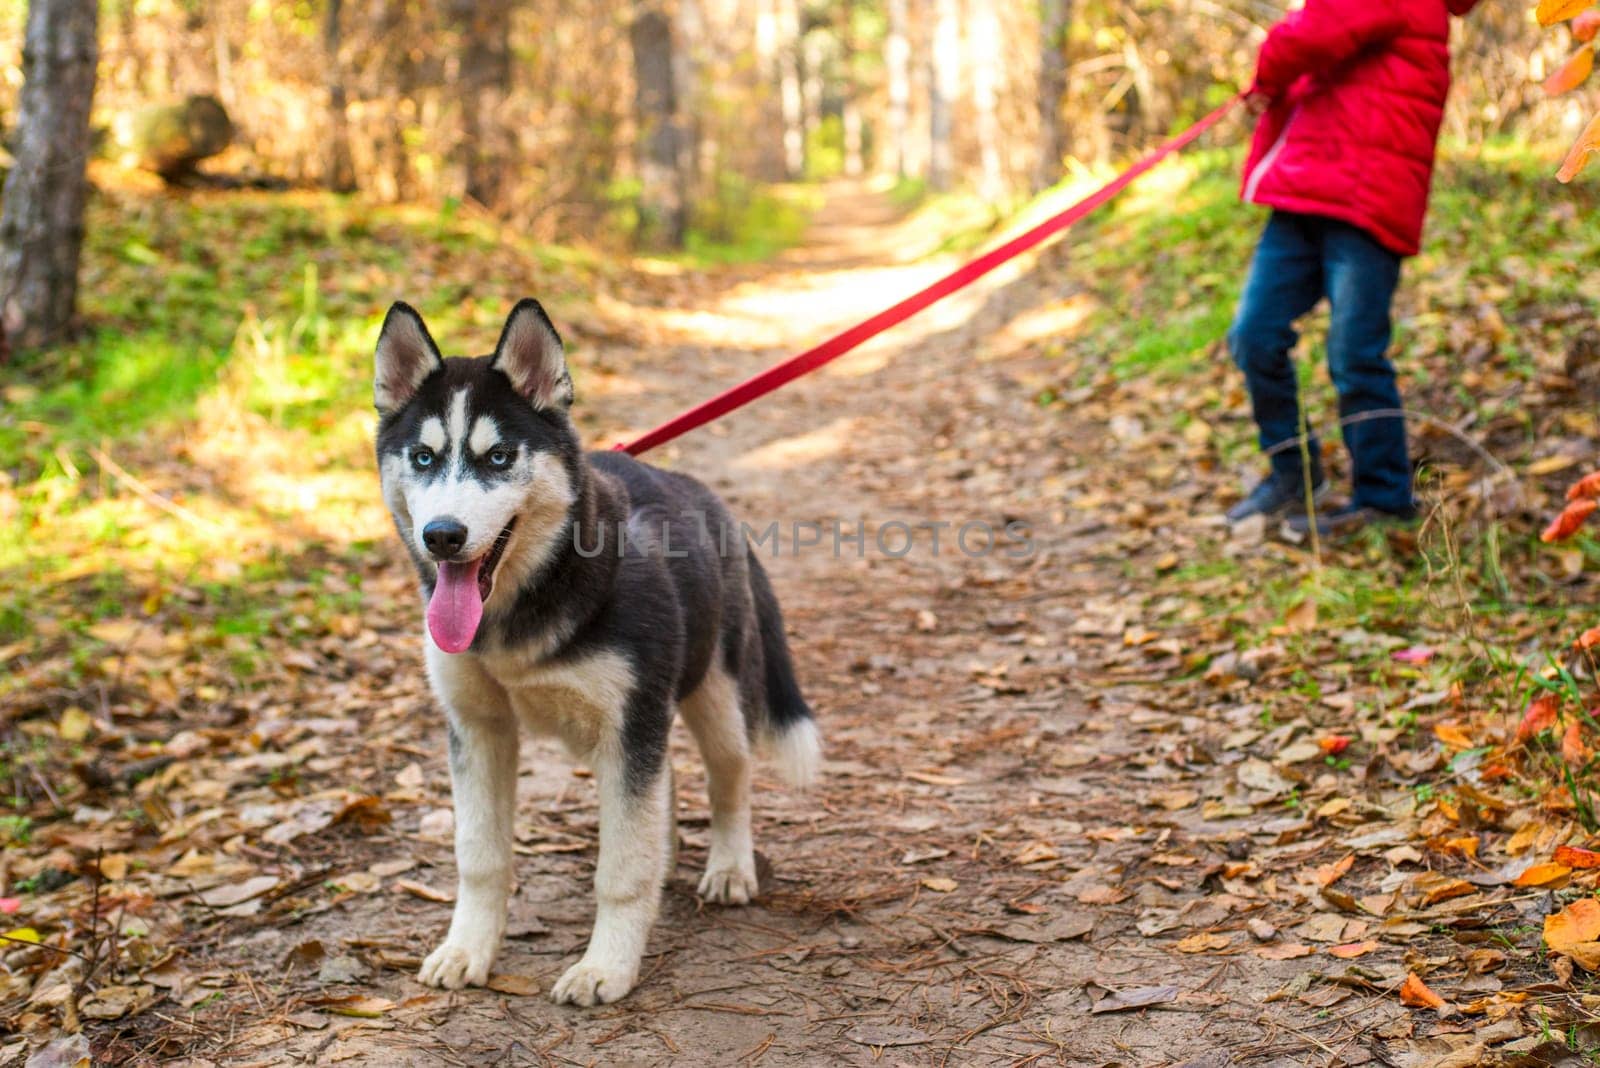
x: 531, y: 355
x: 406, y: 356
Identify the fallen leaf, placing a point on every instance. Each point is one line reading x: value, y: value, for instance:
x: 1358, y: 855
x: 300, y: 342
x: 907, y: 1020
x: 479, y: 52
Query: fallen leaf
x: 1588, y: 485
x: 1415, y: 993
x: 1416, y: 654
x: 1102, y: 895
x: 1334, y: 744
x: 24, y: 934
x: 1584, y: 27
x: 1576, y: 857
x: 422, y: 890
x: 522, y: 986
x: 9, y: 905
x: 1302, y: 617
x: 1543, y: 875
x: 1204, y: 943
x: 359, y: 1005
x: 1578, y: 922
x: 1571, y: 74
x: 1452, y: 735
x: 221, y: 897
x: 115, y: 1002
x: 1138, y: 998
x: 1352, y: 950
x: 1541, y: 715
x: 939, y: 884
x: 75, y: 724
x: 1035, y: 853
x: 1588, y: 639
x: 1573, y: 749
x: 1328, y: 874
x: 1571, y: 518
x: 1285, y: 951
x: 1551, y: 12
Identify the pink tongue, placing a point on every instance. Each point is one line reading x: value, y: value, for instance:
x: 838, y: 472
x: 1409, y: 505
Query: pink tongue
x: 456, y: 609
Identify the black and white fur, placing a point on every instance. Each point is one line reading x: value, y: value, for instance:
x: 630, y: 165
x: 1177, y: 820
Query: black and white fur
x: 599, y: 649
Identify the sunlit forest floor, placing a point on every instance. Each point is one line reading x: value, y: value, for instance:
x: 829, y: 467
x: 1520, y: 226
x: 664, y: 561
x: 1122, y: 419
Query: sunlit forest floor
x: 1154, y: 794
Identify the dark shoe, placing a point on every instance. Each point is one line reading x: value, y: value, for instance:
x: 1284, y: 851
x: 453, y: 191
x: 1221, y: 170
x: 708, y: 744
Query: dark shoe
x: 1274, y: 496
x: 1344, y: 520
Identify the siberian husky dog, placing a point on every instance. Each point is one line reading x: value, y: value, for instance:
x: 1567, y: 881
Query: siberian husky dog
x: 585, y: 596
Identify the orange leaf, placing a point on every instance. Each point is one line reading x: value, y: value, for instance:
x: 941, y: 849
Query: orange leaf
x: 1452, y: 735
x: 1577, y: 923
x: 1573, y: 751
x: 1573, y: 857
x: 1543, y: 875
x: 1352, y: 950
x: 1585, y: 25
x: 1588, y: 141
x: 1571, y: 74
x: 1415, y: 992
x: 1571, y: 518
x: 1328, y: 874
x: 1588, y: 485
x: 1589, y: 638
x: 1551, y: 12
x: 1540, y: 716
x: 1335, y: 744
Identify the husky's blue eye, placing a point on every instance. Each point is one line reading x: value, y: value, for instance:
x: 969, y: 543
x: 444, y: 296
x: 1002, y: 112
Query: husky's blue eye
x: 499, y: 457
x: 422, y: 456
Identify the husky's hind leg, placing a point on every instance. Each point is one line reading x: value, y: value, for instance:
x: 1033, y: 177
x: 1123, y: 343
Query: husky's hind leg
x: 714, y: 717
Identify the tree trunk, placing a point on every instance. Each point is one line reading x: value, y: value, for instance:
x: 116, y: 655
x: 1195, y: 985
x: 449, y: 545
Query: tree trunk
x: 41, y: 227
x: 897, y: 60
x: 1055, y: 17
x: 944, y: 85
x: 986, y: 59
x: 794, y: 134
x: 483, y: 80
x: 339, y: 170
x: 662, y: 171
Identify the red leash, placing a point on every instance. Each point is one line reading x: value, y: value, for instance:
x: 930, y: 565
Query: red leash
x: 781, y: 374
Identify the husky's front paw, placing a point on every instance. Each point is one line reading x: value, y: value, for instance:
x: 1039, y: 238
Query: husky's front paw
x: 729, y: 885
x: 455, y: 966
x: 590, y: 983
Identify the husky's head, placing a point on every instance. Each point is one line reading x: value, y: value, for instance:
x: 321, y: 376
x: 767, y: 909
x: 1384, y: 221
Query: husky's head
x: 479, y: 461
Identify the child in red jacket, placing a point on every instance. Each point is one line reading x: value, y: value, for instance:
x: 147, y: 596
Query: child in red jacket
x: 1351, y: 95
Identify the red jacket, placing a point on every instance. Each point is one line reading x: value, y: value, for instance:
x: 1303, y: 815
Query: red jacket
x: 1358, y: 90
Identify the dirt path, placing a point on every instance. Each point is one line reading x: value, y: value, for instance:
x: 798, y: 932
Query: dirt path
x: 1019, y: 823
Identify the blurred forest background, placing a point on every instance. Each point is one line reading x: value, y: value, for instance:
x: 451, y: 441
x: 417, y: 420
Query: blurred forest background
x: 656, y: 121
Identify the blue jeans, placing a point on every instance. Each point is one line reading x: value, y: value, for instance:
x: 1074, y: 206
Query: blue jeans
x: 1300, y: 260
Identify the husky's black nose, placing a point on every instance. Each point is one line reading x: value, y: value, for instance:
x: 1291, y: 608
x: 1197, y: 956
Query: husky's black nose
x: 444, y: 538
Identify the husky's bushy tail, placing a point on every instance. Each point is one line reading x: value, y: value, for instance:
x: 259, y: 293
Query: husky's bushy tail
x: 787, y: 734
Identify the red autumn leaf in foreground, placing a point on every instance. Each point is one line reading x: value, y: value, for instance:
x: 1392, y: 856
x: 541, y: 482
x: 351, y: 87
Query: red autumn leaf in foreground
x: 1571, y: 518
x: 1417, y: 654
x: 1586, y: 25
x: 1540, y: 716
x: 1588, y: 485
x: 1574, y: 857
x: 1551, y: 12
x: 1571, y: 74
x: 1587, y: 142
x: 1415, y: 992
x: 1334, y: 744
x: 8, y: 905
